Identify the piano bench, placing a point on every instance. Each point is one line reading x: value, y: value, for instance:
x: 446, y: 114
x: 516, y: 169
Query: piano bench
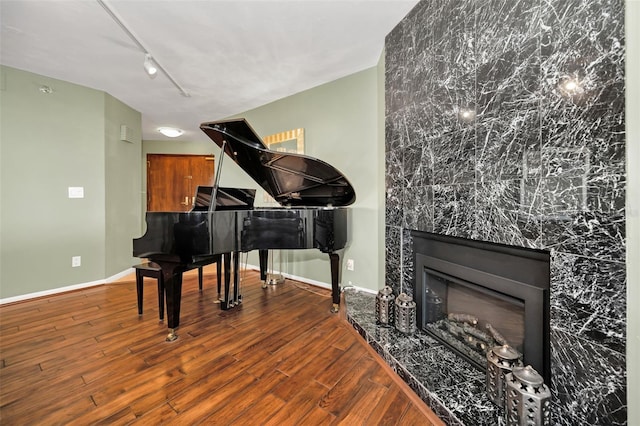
x: 150, y: 270
x: 153, y: 270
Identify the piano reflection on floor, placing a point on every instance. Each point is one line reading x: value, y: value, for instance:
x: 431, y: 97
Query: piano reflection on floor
x: 223, y: 223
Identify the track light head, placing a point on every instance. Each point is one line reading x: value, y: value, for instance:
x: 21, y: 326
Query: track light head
x: 150, y: 66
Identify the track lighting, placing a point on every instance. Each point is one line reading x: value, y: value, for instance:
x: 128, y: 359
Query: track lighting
x: 150, y: 66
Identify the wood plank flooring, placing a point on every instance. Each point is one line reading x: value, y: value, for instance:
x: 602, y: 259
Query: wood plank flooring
x: 280, y: 358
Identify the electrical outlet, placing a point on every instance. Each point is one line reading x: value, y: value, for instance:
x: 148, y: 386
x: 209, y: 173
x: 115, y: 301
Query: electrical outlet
x: 350, y: 266
x: 76, y: 261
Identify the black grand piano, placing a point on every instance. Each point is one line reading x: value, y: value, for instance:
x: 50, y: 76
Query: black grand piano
x: 312, y: 194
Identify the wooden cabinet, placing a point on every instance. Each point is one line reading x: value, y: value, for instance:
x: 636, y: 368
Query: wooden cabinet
x: 172, y: 180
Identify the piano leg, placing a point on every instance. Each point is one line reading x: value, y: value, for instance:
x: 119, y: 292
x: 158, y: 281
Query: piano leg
x: 228, y: 302
x: 236, y: 278
x: 172, y: 277
x: 264, y: 257
x: 334, y: 259
x: 224, y: 301
x: 219, y: 273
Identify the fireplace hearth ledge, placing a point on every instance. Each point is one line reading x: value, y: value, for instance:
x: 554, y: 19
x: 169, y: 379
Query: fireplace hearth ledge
x: 449, y: 385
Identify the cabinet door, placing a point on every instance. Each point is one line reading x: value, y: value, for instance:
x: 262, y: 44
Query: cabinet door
x: 172, y: 180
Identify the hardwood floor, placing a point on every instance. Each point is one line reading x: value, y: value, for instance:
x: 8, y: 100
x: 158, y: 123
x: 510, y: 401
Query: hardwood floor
x: 280, y: 358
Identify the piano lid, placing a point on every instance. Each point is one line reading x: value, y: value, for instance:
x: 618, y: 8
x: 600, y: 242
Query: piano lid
x: 291, y: 179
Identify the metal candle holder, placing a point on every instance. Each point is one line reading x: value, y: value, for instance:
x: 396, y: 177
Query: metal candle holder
x: 500, y: 361
x: 528, y: 399
x: 384, y: 307
x: 405, y: 315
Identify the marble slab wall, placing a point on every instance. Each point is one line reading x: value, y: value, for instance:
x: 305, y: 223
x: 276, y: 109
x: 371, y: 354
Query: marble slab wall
x: 505, y: 123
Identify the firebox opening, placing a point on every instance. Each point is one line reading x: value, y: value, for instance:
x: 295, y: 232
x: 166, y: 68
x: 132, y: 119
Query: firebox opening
x: 474, y: 295
x: 471, y: 319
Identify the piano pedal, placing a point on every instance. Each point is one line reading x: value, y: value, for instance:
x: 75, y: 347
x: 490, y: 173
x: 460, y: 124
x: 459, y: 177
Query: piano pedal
x: 172, y: 335
x: 274, y: 279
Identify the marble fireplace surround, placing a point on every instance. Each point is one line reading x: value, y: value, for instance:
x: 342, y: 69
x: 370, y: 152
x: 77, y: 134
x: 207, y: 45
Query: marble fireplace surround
x: 484, y: 141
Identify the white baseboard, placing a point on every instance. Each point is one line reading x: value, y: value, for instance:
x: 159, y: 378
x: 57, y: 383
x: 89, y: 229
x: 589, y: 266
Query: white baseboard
x: 65, y: 289
x: 37, y: 294
x: 126, y: 272
x: 119, y: 275
x: 313, y: 282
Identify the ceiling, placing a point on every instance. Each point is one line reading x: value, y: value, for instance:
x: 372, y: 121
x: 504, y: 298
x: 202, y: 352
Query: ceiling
x: 229, y: 56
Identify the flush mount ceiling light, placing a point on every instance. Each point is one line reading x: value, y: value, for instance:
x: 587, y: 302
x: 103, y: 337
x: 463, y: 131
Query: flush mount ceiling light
x: 150, y: 66
x: 170, y: 132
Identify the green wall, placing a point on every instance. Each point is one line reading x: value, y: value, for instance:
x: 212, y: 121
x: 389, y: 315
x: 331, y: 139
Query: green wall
x: 342, y: 123
x: 123, y: 185
x: 49, y: 142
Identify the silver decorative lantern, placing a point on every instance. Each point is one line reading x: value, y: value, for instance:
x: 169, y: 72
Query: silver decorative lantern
x: 384, y: 307
x: 405, y: 315
x: 528, y: 399
x: 500, y: 361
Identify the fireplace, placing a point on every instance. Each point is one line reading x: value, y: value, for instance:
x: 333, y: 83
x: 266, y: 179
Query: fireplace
x: 475, y: 295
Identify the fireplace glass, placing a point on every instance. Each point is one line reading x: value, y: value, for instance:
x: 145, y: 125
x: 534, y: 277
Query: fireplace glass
x: 471, y: 319
x: 475, y: 295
